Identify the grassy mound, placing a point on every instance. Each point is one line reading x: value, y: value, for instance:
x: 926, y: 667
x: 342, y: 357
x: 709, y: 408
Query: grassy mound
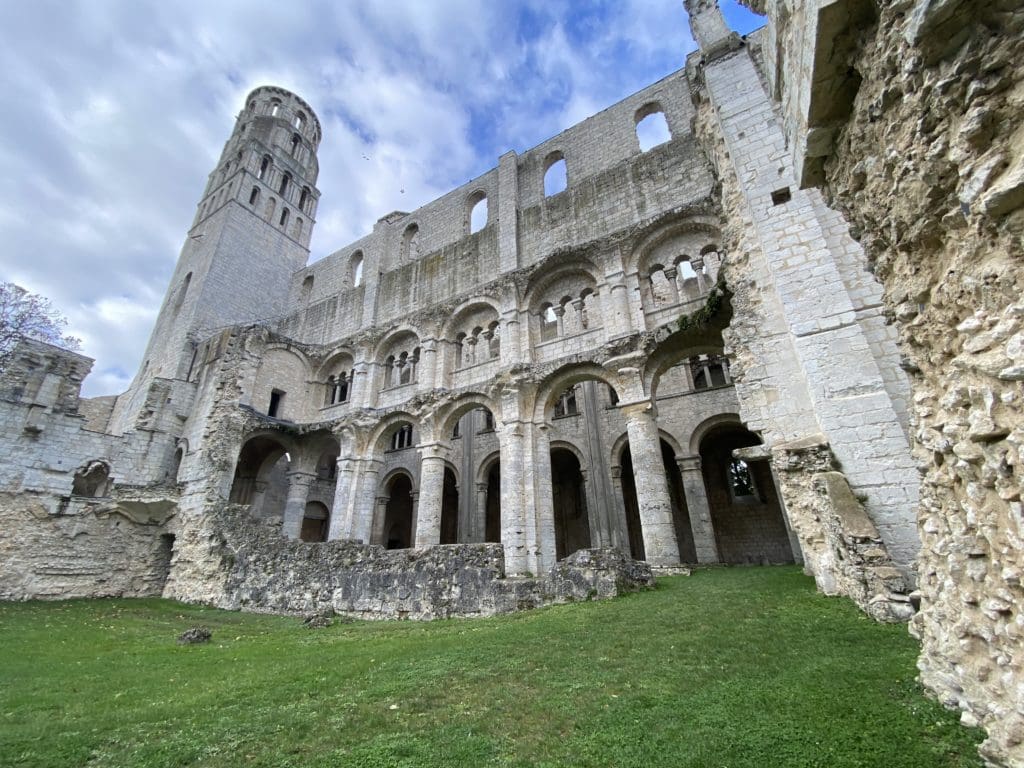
x: 726, y: 668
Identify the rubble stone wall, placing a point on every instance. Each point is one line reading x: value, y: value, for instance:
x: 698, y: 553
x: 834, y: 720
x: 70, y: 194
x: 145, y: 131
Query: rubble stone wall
x: 252, y: 566
x: 928, y: 166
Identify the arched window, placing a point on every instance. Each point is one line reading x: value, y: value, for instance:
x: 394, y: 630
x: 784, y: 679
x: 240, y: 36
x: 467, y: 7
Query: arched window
x: 356, y: 268
x: 651, y: 126
x: 460, y: 350
x: 254, y: 196
x: 297, y: 231
x: 548, y: 323
x: 264, y: 168
x: 275, y: 107
x: 494, y: 342
x: 284, y: 217
x: 284, y: 184
x: 307, y: 287
x: 271, y: 207
x: 556, y: 177
x: 303, y: 198
x: 300, y: 120
x: 402, y: 438
x: 566, y: 403
x: 477, y: 213
x: 296, y: 143
x: 410, y: 243
x: 252, y: 105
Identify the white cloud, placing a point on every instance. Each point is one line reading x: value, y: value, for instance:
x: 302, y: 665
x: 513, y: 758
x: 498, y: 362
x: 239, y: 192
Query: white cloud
x: 115, y: 113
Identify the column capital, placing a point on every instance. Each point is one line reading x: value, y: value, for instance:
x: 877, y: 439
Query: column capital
x: 299, y: 476
x: 688, y: 463
x: 434, y: 450
x: 640, y: 411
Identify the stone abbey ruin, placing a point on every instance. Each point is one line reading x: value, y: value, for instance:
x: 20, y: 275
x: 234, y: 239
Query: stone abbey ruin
x: 791, y: 332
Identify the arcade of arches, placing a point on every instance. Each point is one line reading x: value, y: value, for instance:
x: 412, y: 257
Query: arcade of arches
x: 613, y: 474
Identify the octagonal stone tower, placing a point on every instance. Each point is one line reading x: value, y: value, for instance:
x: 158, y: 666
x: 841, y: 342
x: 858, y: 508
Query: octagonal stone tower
x: 250, y: 234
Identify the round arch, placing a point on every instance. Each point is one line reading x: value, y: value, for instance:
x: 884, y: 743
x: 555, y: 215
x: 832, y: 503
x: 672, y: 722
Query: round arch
x: 700, y: 227
x: 374, y: 442
x: 448, y: 416
x: 552, y: 272
x: 395, y: 335
x: 394, y: 472
x: 483, y: 469
x: 331, y: 362
x: 668, y: 354
x: 451, y: 325
x: 559, y: 380
x: 709, y: 424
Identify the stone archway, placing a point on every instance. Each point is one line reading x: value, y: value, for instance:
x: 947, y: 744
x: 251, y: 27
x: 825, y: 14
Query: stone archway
x: 745, y: 510
x: 397, y: 523
x: 569, y: 499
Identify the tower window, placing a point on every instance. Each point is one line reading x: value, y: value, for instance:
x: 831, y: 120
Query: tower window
x: 651, y: 126
x: 555, y: 175
x: 300, y: 120
x: 303, y: 198
x: 284, y: 217
x: 264, y: 168
x: 276, y: 408
x: 357, y: 269
x: 254, y: 196
x: 478, y: 212
x: 275, y: 107
x: 296, y: 143
x: 284, y: 184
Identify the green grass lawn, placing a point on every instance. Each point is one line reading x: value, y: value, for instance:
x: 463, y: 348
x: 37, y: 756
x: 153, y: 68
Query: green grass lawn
x: 725, y: 668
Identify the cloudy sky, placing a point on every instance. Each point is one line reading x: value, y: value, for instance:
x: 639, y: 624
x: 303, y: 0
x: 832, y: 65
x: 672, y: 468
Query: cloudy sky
x: 116, y: 110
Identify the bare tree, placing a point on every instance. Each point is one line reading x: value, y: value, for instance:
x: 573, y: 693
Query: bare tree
x: 25, y: 315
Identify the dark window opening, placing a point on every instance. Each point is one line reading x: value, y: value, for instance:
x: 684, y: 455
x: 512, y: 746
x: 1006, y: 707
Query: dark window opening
x: 276, y: 403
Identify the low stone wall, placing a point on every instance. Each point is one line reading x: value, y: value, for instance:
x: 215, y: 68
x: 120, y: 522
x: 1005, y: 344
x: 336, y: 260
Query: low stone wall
x: 83, y: 548
x: 261, y: 570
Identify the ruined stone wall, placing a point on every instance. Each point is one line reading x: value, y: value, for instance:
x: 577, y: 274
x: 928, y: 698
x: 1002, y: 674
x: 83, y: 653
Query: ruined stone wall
x: 85, y: 548
x: 251, y: 566
x: 928, y: 166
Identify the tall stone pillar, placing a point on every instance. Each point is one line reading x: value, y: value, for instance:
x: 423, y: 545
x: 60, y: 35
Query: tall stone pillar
x: 361, y: 380
x: 295, y: 503
x: 621, y: 319
x: 510, y: 346
x: 365, y: 498
x: 428, y: 368
x: 543, y: 545
x: 511, y: 447
x: 341, y: 511
x: 660, y: 545
x: 378, y: 518
x: 700, y: 511
x: 431, y: 495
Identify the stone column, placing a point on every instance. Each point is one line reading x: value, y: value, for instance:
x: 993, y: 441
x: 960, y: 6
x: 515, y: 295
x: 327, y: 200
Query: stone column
x: 702, y: 281
x: 341, y: 513
x: 431, y: 494
x: 621, y: 320
x: 469, y: 351
x: 673, y: 288
x: 478, y: 520
x: 700, y: 511
x: 511, y: 447
x: 360, y: 389
x: 559, y: 320
x: 577, y: 305
x: 509, y: 330
x: 379, y: 513
x: 428, y: 368
x: 618, y: 528
x: 364, y: 502
x: 543, y: 543
x: 652, y: 496
x: 295, y: 503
